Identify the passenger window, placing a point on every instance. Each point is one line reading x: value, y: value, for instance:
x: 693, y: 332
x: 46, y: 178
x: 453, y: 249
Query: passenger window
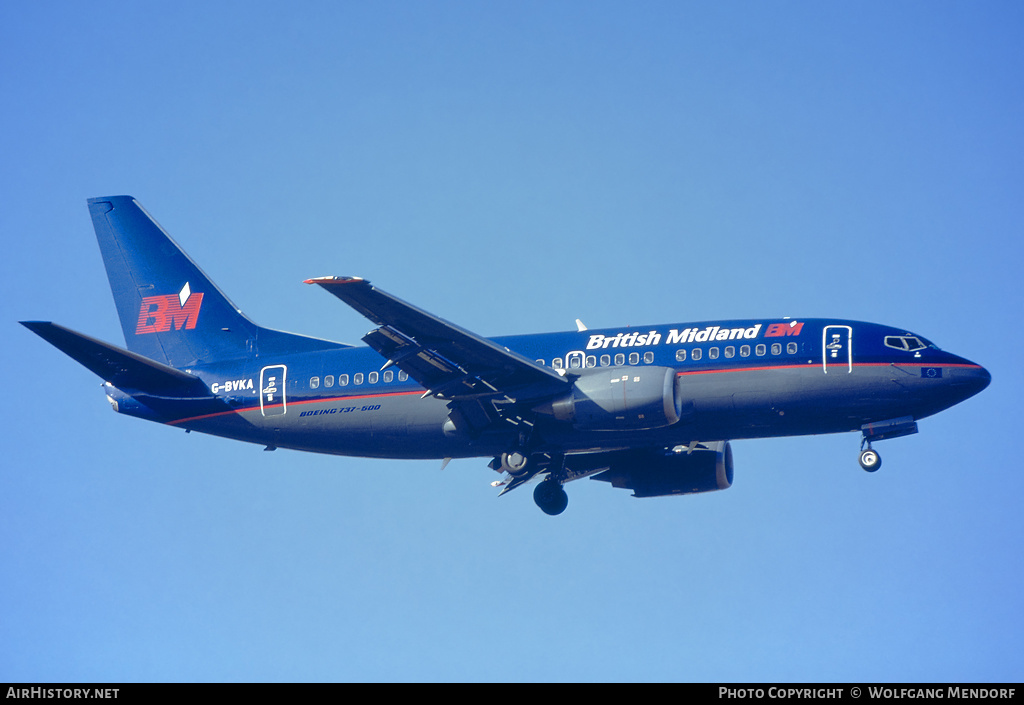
x: 342, y: 380
x: 591, y: 361
x: 373, y: 378
x: 681, y: 355
x: 557, y: 363
x: 606, y: 360
x: 541, y: 362
x: 634, y: 358
x: 648, y: 357
x: 357, y: 378
x: 314, y: 382
x: 791, y: 348
x: 696, y: 354
x: 744, y: 351
x: 776, y: 348
x: 620, y: 359
x: 760, y: 350
x: 402, y: 375
x: 389, y: 375
x: 329, y: 381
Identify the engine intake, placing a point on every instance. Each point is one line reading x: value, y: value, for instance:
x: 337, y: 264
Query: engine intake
x: 617, y: 398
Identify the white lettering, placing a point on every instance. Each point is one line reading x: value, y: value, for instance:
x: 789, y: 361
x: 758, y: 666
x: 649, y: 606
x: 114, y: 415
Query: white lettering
x: 675, y: 337
x: 789, y: 693
x: 724, y: 692
x: 635, y: 339
x: 979, y: 693
x: 232, y: 385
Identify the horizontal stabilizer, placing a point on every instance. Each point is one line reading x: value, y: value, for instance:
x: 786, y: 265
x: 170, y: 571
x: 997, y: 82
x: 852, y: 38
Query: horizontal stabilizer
x: 124, y: 369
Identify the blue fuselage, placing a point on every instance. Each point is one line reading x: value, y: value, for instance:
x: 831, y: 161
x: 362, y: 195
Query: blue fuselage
x: 733, y: 380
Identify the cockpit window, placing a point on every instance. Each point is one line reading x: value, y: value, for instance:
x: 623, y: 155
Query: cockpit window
x: 909, y: 343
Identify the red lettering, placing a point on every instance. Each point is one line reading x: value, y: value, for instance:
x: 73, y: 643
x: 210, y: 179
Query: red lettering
x: 152, y: 318
x: 777, y: 330
x: 159, y: 314
x: 183, y: 317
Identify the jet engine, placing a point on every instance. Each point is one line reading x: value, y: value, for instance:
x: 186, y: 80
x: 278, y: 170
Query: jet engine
x: 619, y: 398
x: 706, y: 468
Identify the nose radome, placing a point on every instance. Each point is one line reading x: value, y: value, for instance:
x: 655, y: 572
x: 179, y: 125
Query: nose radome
x: 984, y: 378
x: 972, y: 378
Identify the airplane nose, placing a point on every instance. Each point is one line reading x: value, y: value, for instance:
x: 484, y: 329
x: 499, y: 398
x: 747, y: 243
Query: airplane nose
x: 982, y: 378
x: 972, y: 378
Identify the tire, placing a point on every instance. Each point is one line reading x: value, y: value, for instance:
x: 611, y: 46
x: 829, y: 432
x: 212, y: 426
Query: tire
x: 514, y: 463
x: 870, y: 460
x: 551, y: 498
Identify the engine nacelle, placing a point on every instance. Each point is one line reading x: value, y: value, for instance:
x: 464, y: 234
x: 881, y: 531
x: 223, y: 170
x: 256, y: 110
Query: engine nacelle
x: 652, y: 474
x: 618, y: 398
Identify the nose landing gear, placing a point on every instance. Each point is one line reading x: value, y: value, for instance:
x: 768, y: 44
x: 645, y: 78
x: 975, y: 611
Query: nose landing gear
x: 869, y: 459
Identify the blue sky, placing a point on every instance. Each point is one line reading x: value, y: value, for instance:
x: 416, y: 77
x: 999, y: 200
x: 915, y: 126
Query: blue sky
x: 512, y: 166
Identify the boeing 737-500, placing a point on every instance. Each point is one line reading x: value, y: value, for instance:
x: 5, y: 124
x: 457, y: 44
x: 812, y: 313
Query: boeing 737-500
x: 651, y: 408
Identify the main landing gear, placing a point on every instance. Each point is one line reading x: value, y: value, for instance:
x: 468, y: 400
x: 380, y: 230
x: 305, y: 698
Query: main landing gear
x: 550, y: 496
x: 521, y: 466
x: 515, y: 463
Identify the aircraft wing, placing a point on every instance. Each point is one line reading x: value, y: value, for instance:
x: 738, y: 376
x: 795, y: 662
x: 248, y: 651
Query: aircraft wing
x: 484, y: 382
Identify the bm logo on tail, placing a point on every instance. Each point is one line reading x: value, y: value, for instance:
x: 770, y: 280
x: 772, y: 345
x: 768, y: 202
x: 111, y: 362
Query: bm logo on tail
x: 159, y: 314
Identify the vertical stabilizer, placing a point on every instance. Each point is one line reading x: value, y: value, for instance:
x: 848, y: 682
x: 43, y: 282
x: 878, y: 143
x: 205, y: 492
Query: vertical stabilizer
x: 170, y: 311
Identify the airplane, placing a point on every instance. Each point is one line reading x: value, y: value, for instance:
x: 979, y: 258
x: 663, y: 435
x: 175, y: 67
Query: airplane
x: 651, y: 408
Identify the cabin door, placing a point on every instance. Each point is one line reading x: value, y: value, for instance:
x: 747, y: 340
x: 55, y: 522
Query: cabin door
x: 272, y: 390
x: 837, y: 349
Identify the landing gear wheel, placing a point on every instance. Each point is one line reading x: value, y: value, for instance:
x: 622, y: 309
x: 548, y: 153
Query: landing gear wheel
x: 870, y: 460
x: 551, y: 498
x: 514, y: 463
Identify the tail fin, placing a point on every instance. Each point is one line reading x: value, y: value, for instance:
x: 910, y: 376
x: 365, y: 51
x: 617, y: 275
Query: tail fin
x: 170, y: 310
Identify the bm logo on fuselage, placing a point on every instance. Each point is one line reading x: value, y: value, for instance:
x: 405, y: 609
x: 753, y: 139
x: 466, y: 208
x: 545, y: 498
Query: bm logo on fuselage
x: 159, y: 314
